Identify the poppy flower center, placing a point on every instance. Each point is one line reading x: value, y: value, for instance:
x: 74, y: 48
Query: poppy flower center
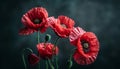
x: 63, y: 25
x: 37, y: 21
x: 85, y: 46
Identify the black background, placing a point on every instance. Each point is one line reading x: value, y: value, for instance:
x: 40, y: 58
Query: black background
x: 99, y: 16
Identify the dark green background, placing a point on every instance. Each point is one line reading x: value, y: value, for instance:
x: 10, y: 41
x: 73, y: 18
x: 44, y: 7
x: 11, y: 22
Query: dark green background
x: 99, y: 16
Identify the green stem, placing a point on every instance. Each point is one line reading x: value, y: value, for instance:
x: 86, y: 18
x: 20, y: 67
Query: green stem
x: 46, y: 64
x: 30, y: 50
x: 70, y: 59
x: 56, y: 41
x: 38, y: 40
x: 23, y: 56
x: 52, y: 67
x: 56, y: 62
x: 56, y: 58
x: 70, y: 62
x: 38, y: 37
x: 38, y: 65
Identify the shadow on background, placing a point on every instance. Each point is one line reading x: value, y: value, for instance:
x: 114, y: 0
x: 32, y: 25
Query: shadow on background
x: 99, y: 16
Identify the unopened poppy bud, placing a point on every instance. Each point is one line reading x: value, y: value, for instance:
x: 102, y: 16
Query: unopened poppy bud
x: 69, y: 64
x: 47, y: 37
x: 33, y: 59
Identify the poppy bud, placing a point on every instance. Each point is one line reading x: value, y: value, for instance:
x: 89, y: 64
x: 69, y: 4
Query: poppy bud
x: 33, y: 59
x: 47, y: 37
x: 69, y: 64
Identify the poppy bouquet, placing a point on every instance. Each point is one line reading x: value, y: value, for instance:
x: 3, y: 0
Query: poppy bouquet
x: 37, y: 20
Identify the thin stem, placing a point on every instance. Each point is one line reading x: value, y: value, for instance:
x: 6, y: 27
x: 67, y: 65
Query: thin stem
x: 38, y: 65
x: 70, y: 62
x: 38, y: 40
x: 52, y: 67
x: 46, y: 64
x: 23, y: 56
x: 70, y: 59
x: 38, y: 37
x: 56, y: 58
x: 56, y: 62
x: 30, y: 50
x: 56, y: 41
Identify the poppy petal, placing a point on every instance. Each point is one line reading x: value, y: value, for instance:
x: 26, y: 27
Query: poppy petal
x: 33, y: 59
x: 86, y: 57
x: 83, y: 60
x: 47, y: 50
x: 75, y: 34
x: 36, y: 19
x: 66, y: 20
x: 26, y: 31
x: 62, y: 26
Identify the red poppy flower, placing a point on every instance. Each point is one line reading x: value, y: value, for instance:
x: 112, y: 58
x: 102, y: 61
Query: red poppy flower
x: 47, y: 50
x: 62, y: 26
x: 33, y: 59
x: 87, y: 49
x: 33, y: 20
x: 75, y: 34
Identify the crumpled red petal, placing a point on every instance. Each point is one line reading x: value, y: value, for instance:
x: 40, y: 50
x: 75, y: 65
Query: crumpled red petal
x: 47, y: 50
x: 33, y: 59
x: 75, y: 34
x: 57, y: 25
x: 26, y: 31
x: 83, y: 60
x: 66, y: 20
x: 89, y: 57
x: 44, y: 26
x: 36, y: 13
